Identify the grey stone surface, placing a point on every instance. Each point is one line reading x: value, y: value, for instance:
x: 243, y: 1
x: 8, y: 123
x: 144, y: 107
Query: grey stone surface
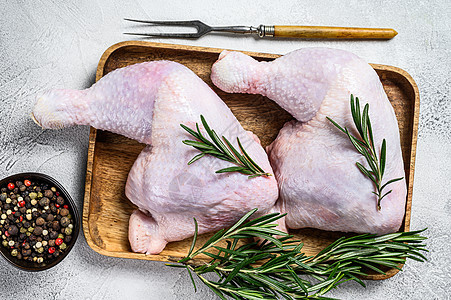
x: 55, y: 44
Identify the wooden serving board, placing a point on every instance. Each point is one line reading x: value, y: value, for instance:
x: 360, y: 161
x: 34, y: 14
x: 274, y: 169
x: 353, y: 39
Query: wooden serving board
x: 106, y: 210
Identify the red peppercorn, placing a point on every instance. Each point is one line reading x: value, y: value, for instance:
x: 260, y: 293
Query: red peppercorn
x: 6, y: 233
x: 21, y: 203
x: 51, y: 250
x: 23, y: 244
x: 27, y: 182
x: 20, y: 219
x: 58, y: 241
x: 11, y: 186
x: 57, y: 194
x: 66, y: 206
x: 57, y: 205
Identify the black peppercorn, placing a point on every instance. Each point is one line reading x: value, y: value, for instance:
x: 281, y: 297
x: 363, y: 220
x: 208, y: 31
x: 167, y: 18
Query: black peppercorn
x: 22, y: 188
x: 60, y: 200
x: 13, y: 230
x: 44, y: 201
x: 40, y: 221
x: 50, y: 217
x: 48, y: 193
x: 38, y: 230
x: 53, y: 234
x: 64, y: 221
x: 56, y: 225
x: 26, y: 252
x: 64, y: 212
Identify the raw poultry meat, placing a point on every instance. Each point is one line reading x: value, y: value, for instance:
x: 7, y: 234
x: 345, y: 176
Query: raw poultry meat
x: 148, y: 102
x: 314, y: 163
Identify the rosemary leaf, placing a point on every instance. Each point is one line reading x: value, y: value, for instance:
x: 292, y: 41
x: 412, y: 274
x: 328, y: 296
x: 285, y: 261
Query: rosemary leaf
x: 383, y: 157
x: 192, y: 279
x: 248, y: 157
x: 198, y: 156
x: 194, y: 237
x: 242, y: 170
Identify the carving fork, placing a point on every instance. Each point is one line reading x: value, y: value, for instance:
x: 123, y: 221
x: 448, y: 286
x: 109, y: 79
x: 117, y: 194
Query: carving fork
x: 309, y: 32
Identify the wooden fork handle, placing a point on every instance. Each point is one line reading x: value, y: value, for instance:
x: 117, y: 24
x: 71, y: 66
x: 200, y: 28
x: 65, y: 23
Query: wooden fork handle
x: 323, y: 32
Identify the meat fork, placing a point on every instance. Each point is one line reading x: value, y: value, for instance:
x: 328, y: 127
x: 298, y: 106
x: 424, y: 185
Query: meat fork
x: 270, y: 31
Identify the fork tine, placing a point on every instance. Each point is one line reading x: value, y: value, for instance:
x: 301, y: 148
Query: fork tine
x: 166, y: 35
x: 193, y: 23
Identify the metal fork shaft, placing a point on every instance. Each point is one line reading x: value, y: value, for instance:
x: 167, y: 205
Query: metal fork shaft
x: 236, y: 29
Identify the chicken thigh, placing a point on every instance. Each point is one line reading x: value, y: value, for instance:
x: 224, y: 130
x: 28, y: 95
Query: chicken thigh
x: 148, y: 102
x: 314, y: 162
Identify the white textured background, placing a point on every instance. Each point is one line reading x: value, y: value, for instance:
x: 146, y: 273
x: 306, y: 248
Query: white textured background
x: 56, y: 44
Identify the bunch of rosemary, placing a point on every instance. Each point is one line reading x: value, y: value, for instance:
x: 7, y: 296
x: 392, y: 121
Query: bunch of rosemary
x: 277, y: 267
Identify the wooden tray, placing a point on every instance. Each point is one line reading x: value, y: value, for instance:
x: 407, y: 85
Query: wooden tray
x: 110, y: 156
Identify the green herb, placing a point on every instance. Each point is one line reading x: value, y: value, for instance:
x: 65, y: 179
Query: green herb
x: 277, y: 267
x: 224, y: 150
x: 365, y: 146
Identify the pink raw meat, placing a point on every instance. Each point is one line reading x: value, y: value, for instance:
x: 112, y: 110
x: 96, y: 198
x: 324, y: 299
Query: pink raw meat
x: 320, y: 185
x: 148, y: 102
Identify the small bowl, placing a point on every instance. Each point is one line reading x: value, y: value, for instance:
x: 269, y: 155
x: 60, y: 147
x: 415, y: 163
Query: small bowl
x: 33, y: 266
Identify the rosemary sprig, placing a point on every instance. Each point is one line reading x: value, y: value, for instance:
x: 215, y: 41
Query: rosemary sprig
x: 277, y: 267
x: 365, y: 146
x: 222, y: 149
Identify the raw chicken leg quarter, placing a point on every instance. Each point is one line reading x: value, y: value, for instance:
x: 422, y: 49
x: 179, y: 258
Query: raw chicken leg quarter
x: 314, y: 163
x: 148, y: 102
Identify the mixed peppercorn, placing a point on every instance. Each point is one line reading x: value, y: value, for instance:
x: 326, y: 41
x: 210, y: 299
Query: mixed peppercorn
x: 35, y: 221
